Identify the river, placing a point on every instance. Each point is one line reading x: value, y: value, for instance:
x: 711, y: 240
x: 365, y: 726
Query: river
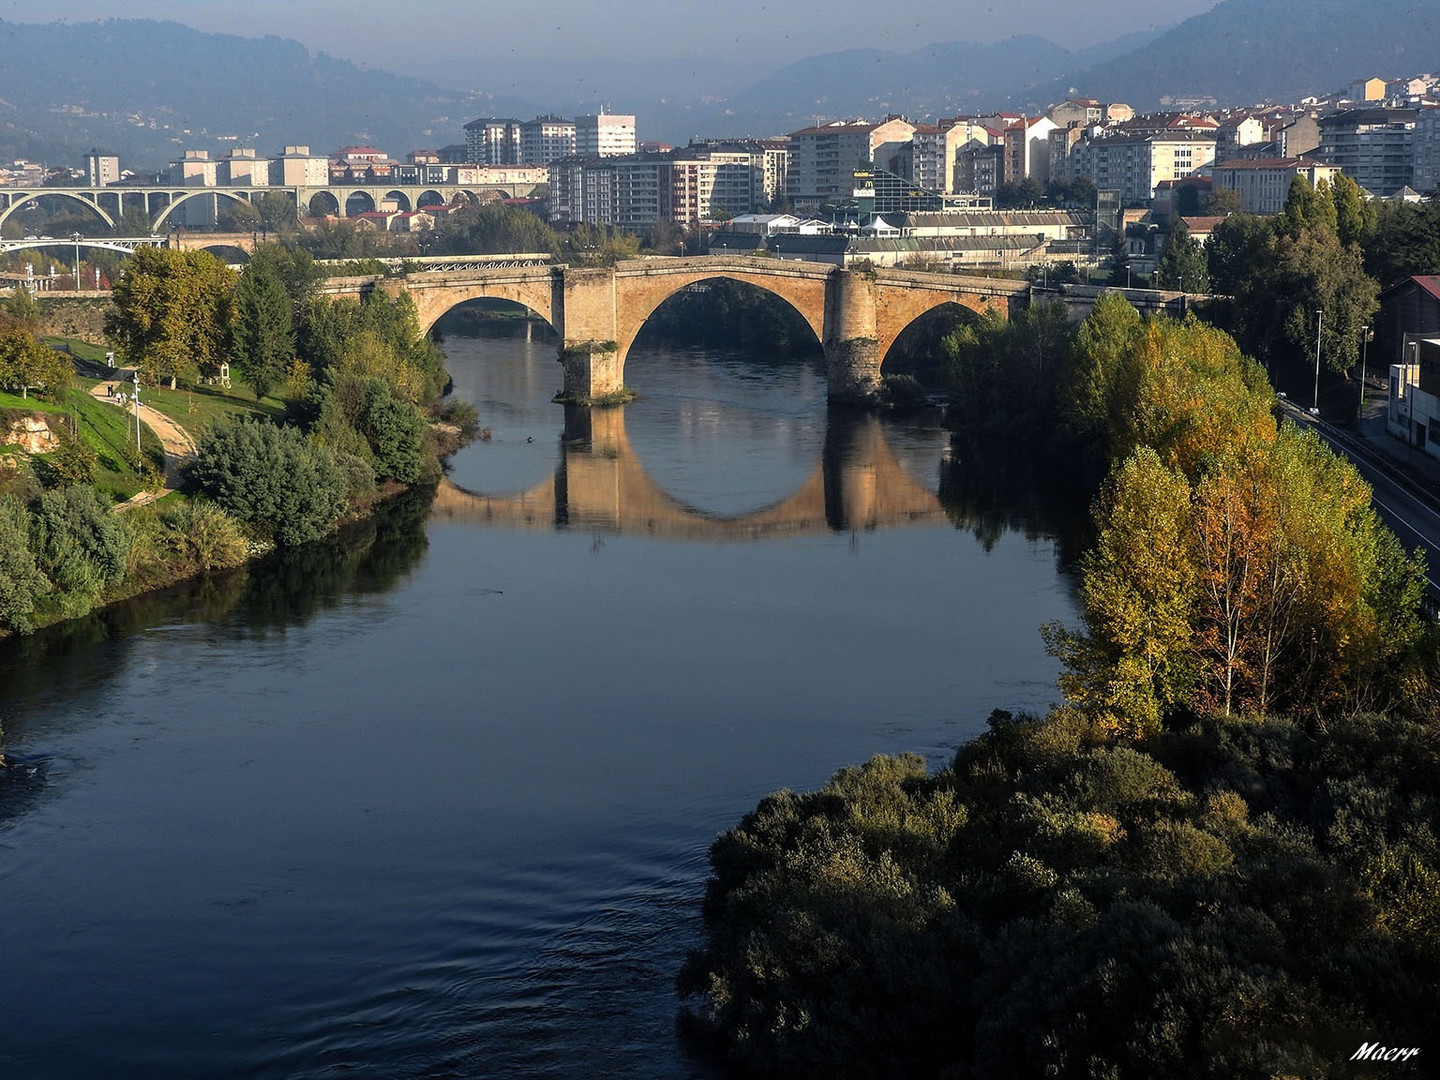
x: 434, y: 799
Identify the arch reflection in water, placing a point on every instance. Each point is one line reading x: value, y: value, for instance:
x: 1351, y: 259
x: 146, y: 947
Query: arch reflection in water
x: 602, y: 485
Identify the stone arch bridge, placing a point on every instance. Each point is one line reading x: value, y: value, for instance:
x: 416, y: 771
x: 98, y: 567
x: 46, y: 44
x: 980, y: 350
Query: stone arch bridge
x: 598, y: 312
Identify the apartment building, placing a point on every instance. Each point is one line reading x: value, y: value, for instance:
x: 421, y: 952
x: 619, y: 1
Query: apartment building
x: 194, y: 169
x: 632, y: 192
x: 604, y: 135
x: 1374, y: 147
x: 1027, y: 150
x: 980, y: 166
x: 101, y: 169
x: 1236, y: 132
x: 492, y: 141
x: 1263, y: 184
x: 1134, y: 165
x: 1426, y: 176
x: 769, y: 158
x: 546, y: 139
x: 928, y: 160
x: 297, y: 167
x: 823, y: 159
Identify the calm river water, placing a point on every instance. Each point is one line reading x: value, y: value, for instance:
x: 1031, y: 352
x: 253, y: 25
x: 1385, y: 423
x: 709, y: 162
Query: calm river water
x: 434, y: 801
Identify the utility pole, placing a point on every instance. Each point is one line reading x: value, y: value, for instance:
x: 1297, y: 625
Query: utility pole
x: 1319, y: 321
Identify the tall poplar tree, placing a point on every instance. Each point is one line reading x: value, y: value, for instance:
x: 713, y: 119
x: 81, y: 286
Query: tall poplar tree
x: 263, y: 331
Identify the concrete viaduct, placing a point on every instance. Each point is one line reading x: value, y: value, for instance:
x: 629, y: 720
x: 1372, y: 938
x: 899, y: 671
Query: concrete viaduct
x: 598, y: 312
x: 161, y: 204
x: 601, y: 485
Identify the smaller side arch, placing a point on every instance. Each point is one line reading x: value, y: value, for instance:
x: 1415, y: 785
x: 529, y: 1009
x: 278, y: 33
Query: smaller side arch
x: 900, y: 307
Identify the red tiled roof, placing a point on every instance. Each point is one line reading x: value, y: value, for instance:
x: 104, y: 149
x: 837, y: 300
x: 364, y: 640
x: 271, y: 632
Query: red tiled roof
x: 1429, y: 283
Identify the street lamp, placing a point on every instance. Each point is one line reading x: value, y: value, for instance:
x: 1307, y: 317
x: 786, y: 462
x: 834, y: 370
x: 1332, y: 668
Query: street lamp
x: 1319, y: 321
x: 138, y: 453
x: 1364, y: 348
x: 76, y: 237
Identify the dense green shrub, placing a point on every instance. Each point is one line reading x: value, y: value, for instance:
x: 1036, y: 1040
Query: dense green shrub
x: 203, y: 535
x: 80, y: 546
x: 273, y: 477
x: 21, y: 580
x: 1227, y: 899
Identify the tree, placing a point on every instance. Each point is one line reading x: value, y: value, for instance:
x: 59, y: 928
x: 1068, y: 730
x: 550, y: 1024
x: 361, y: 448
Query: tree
x: 1306, y: 207
x: 1222, y: 202
x: 1024, y: 194
x: 26, y: 364
x: 1237, y: 253
x: 170, y: 312
x: 271, y: 476
x: 135, y: 222
x: 237, y: 216
x: 80, y: 546
x: 1182, y: 261
x: 1403, y: 241
x: 1120, y: 261
x: 1104, y: 345
x: 277, y: 211
x: 1309, y: 273
x: 263, y: 331
x: 1134, y: 661
x: 1351, y: 222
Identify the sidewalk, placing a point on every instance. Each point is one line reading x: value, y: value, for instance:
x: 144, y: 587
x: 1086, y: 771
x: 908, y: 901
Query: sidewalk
x: 178, y: 445
x: 1414, y: 464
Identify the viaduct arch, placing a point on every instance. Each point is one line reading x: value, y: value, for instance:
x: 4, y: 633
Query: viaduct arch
x: 22, y: 200
x: 598, y: 311
x: 181, y: 200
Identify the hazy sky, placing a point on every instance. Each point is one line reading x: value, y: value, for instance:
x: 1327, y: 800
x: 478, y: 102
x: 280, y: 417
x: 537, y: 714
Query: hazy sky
x: 455, y: 40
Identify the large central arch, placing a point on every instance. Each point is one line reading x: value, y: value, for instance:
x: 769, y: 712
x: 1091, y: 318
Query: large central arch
x: 21, y: 200
x: 180, y: 199
x: 638, y: 295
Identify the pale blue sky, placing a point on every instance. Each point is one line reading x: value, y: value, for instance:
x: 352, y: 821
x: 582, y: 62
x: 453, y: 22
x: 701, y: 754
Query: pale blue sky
x: 483, y: 44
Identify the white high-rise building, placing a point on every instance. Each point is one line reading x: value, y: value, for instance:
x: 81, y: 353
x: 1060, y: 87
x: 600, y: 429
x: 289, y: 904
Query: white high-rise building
x: 604, y: 135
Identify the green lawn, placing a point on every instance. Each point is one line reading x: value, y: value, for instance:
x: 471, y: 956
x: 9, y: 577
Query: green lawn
x: 112, y: 434
x: 194, y: 409
x: 29, y: 404
x: 85, y: 350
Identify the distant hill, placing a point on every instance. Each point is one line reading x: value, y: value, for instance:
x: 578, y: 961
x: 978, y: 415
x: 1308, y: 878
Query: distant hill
x: 146, y: 89
x: 940, y: 80
x: 1246, y: 51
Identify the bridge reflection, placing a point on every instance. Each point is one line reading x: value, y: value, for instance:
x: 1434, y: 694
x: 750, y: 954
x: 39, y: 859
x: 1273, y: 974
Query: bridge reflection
x: 601, y: 486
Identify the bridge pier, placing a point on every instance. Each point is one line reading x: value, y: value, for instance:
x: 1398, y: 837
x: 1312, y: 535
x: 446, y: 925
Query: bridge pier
x: 584, y: 304
x: 851, y: 342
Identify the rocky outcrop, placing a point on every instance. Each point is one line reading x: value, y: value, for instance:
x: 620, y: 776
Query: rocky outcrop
x: 31, y: 432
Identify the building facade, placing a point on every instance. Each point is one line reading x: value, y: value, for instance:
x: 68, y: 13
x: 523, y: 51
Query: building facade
x: 492, y: 141
x: 823, y: 159
x: 1134, y: 165
x: 1374, y: 147
x: 1264, y: 184
x: 604, y: 135
x: 546, y: 139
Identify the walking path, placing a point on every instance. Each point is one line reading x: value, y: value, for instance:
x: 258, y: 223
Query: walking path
x: 178, y: 445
